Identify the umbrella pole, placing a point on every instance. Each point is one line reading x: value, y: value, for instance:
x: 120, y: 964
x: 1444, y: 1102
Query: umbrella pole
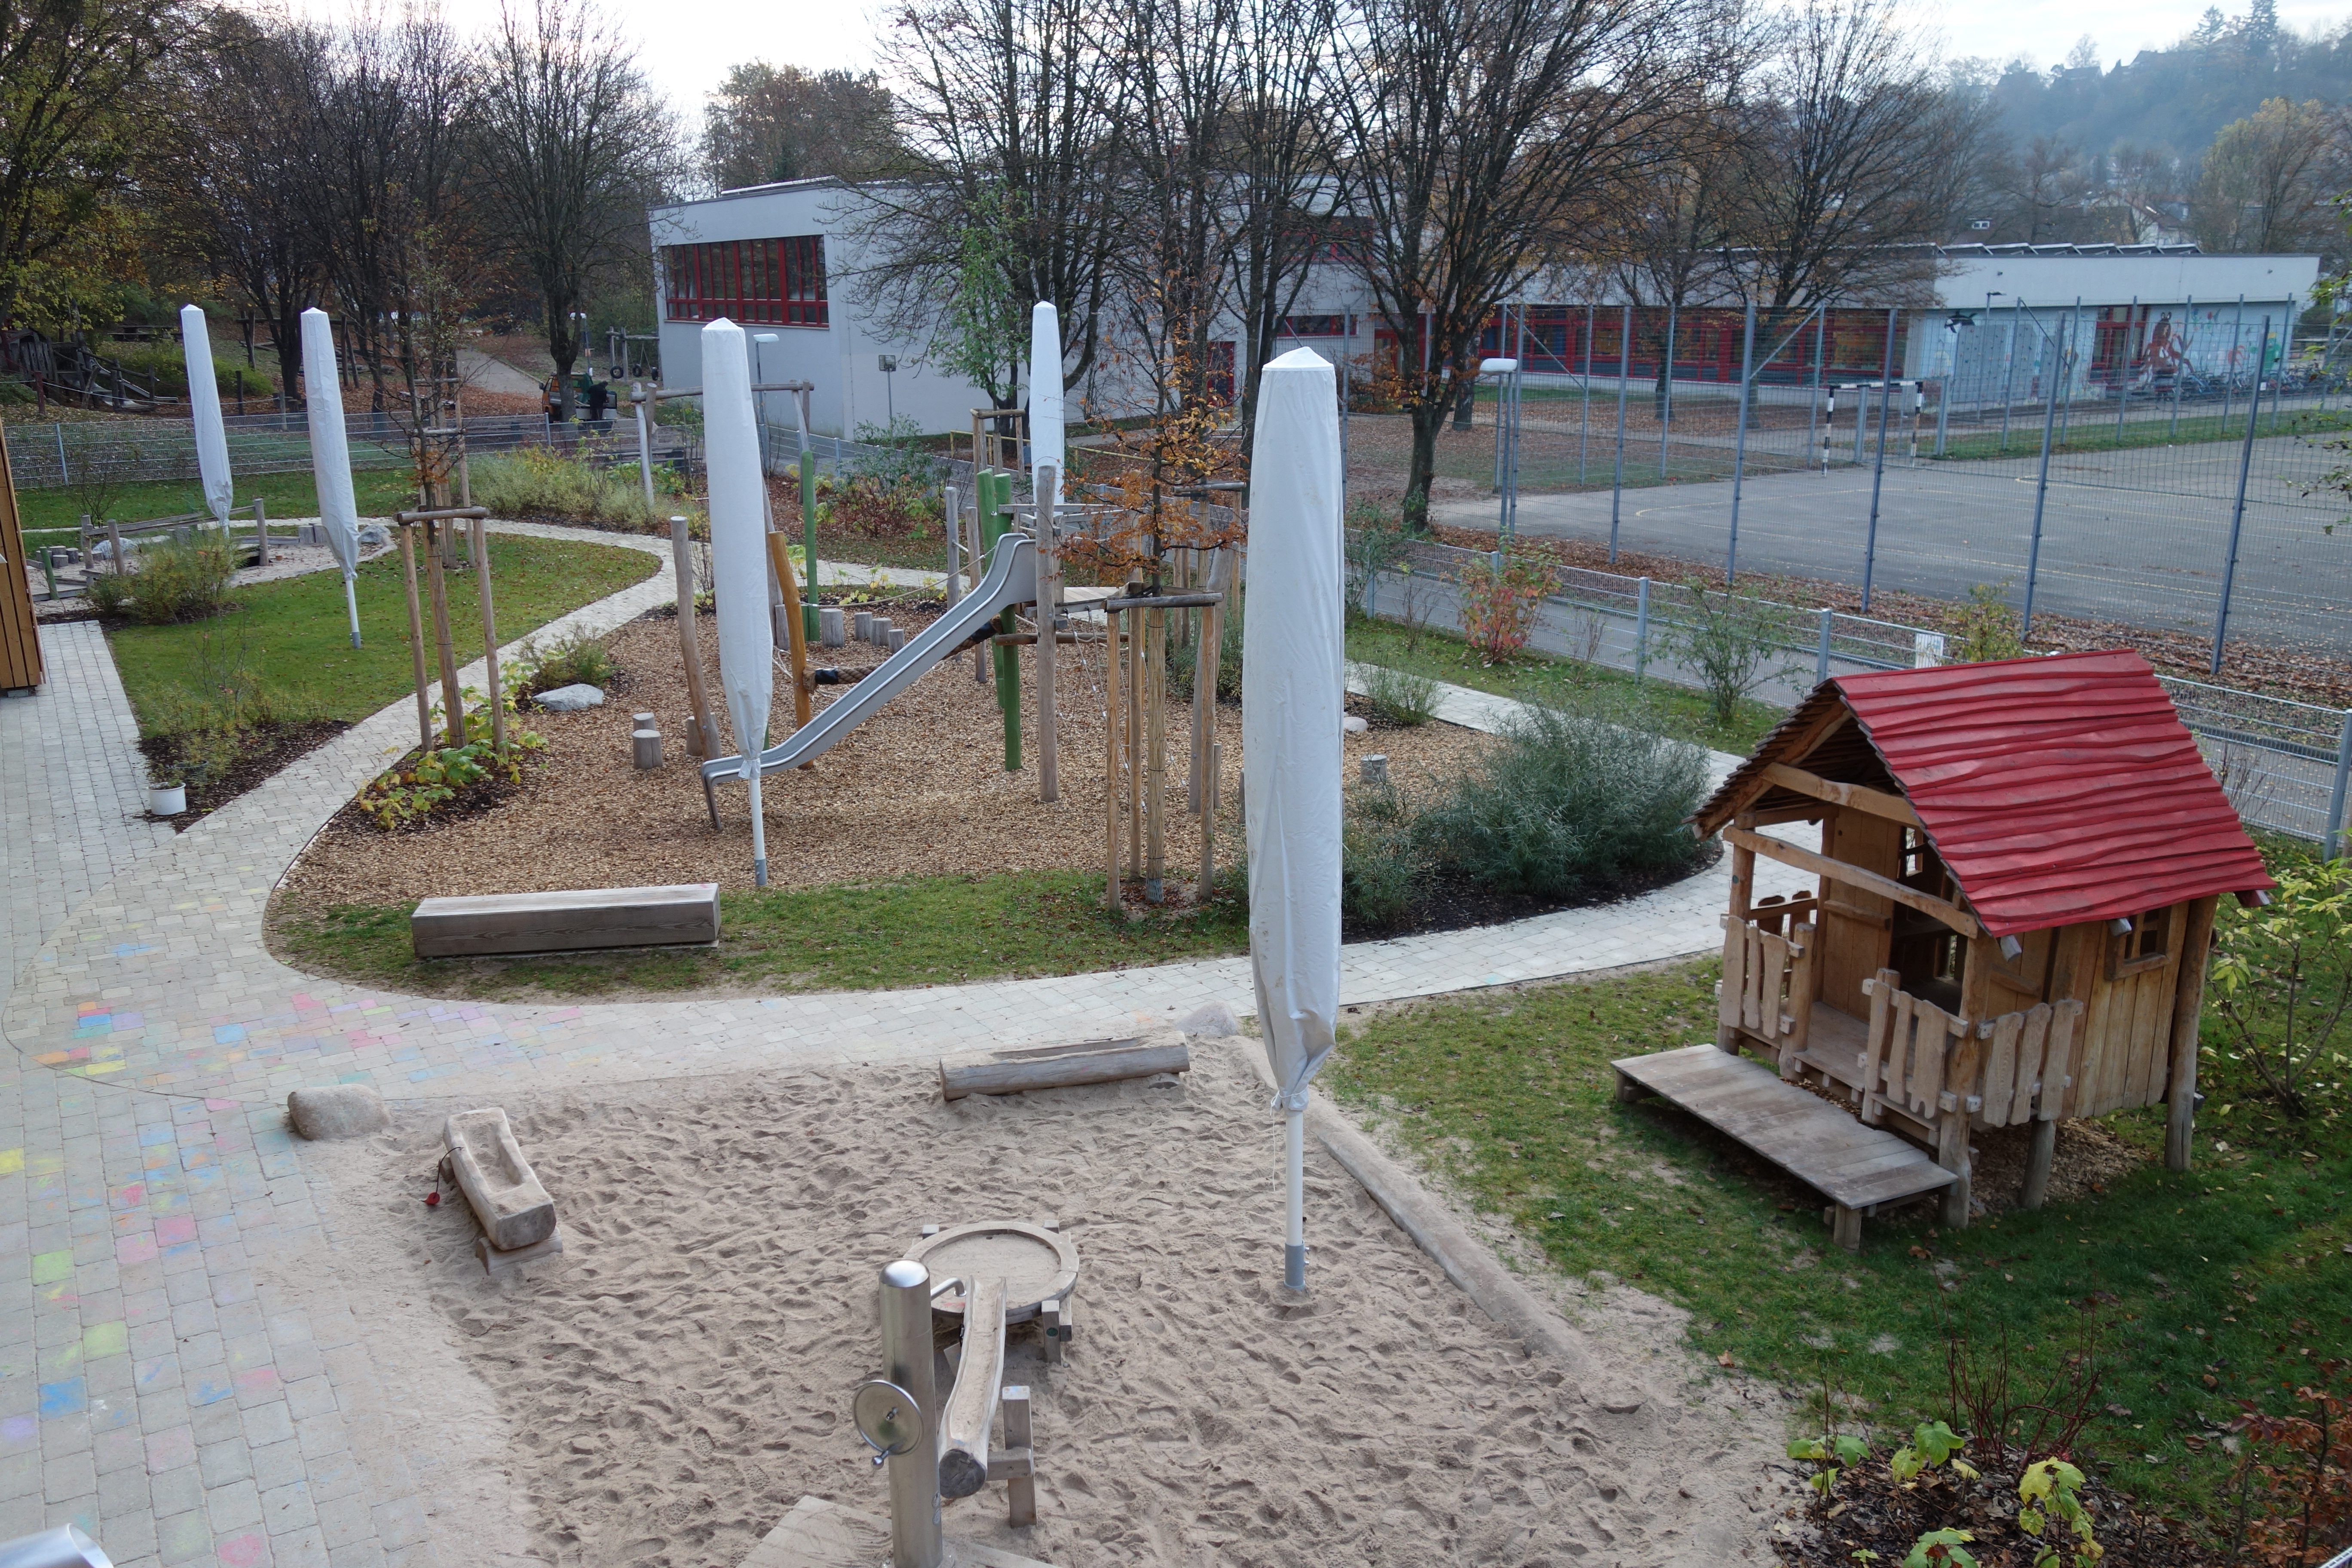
x: 352, y: 603
x: 759, y: 829
x: 1294, y: 1251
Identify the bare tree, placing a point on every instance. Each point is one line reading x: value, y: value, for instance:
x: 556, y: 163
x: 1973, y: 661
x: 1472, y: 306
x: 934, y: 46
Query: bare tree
x: 770, y: 122
x: 1011, y: 112
x: 1479, y: 129
x: 1855, y: 151
x: 570, y: 144
x: 238, y: 185
x: 2269, y: 182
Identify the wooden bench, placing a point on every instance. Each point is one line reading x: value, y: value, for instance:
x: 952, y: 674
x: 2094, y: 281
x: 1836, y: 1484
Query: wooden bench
x: 567, y: 921
x: 1859, y: 1169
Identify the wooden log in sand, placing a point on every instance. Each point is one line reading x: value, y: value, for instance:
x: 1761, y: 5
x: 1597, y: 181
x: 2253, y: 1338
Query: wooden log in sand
x: 1059, y: 1066
x: 970, y: 1410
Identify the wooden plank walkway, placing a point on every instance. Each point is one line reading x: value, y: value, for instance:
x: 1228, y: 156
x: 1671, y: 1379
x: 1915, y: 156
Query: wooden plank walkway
x: 1857, y: 1168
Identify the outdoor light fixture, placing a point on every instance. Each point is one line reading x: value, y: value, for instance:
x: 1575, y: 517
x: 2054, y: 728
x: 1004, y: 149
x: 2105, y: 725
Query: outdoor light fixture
x: 889, y: 366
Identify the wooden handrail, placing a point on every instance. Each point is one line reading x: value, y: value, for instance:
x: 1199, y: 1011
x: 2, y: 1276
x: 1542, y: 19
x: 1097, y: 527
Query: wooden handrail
x: 1951, y: 914
x: 1877, y: 803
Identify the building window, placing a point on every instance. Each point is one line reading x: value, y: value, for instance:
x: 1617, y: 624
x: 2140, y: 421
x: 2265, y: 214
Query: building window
x: 1314, y: 327
x: 759, y: 282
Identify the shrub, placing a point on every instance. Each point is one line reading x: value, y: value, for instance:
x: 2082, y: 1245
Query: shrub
x: 575, y: 660
x: 1985, y: 627
x: 543, y: 481
x: 1400, y: 697
x: 1734, y: 641
x: 208, y: 720
x: 1180, y: 660
x: 1569, y: 803
x: 1376, y: 542
x: 891, y: 458
x: 1380, y: 867
x: 170, y: 581
x: 1499, y: 604
x: 433, y: 781
x: 2281, y: 983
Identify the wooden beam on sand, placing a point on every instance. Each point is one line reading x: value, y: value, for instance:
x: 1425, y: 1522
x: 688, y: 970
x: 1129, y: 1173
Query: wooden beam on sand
x: 971, y: 1409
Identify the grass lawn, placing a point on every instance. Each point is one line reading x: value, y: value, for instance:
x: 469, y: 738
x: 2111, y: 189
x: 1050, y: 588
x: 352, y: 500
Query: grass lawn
x: 295, y: 634
x: 2093, y: 429
x: 54, y: 516
x: 2221, y: 1283
x: 925, y: 931
x: 1670, y: 710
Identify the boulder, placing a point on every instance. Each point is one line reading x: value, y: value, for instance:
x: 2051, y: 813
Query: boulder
x: 571, y: 698
x: 337, y: 1110
x: 1352, y: 725
x: 1212, y: 1020
x: 499, y: 1183
x: 374, y: 536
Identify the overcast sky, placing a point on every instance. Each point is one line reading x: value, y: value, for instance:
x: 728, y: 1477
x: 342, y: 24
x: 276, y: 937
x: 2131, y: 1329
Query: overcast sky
x: 688, y: 45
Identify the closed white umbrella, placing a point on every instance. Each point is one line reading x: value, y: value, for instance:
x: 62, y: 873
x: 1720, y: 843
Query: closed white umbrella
x: 738, y: 560
x: 1293, y: 683
x: 1044, y: 393
x: 330, y: 454
x: 204, y: 407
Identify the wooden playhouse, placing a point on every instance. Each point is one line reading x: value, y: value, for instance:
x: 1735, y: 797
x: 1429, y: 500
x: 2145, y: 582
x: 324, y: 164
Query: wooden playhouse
x: 2019, y: 869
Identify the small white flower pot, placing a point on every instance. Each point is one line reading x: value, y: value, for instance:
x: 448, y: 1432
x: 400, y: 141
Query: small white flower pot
x: 167, y: 800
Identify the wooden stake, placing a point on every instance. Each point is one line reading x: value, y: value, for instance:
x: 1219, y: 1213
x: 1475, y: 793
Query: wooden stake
x: 690, y: 640
x: 1209, y: 822
x: 1114, y: 709
x: 415, y: 634
x: 1155, y: 741
x: 1133, y: 654
x: 779, y: 553
x: 1049, y: 602
x: 489, y: 635
x: 453, y: 705
x: 2188, y: 1007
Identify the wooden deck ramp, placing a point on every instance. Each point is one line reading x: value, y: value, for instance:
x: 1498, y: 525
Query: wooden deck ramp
x: 1859, y: 1169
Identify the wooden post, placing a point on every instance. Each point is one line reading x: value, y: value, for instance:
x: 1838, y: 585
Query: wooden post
x: 1155, y: 741
x: 1114, y: 709
x: 995, y: 522
x: 260, y: 533
x: 2188, y: 1007
x: 415, y: 633
x: 1020, y: 1491
x: 1041, y: 668
x: 1743, y: 878
x: 951, y: 505
x: 977, y: 549
x: 1952, y: 1126
x: 705, y: 734
x: 489, y: 635
x: 453, y: 705
x: 114, y: 539
x: 1209, y: 821
x: 1133, y: 653
x: 780, y: 553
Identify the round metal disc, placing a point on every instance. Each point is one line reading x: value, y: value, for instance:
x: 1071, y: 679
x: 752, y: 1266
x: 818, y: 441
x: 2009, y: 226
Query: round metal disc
x: 888, y: 1416
x: 1036, y: 1265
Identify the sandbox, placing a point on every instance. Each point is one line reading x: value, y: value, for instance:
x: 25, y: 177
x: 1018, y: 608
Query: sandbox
x: 674, y: 1384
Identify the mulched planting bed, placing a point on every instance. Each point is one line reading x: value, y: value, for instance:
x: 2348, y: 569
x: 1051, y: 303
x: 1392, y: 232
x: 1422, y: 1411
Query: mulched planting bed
x: 918, y: 790
x: 266, y: 751
x: 1869, y: 1511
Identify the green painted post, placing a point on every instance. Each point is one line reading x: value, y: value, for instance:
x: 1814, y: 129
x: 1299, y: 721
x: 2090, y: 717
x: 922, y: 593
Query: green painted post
x: 995, y: 522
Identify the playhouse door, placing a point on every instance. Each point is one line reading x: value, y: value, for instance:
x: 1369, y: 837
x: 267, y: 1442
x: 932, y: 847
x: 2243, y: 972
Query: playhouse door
x: 1858, y: 927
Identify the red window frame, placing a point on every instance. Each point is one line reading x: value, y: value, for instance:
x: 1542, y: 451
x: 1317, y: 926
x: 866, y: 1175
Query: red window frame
x: 760, y: 282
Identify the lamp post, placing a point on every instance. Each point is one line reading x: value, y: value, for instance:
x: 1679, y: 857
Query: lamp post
x: 888, y: 365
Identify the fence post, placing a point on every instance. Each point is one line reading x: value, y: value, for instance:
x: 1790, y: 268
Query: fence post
x: 2332, y: 844
x: 1624, y: 367
x: 1821, y: 651
x: 2238, y: 511
x: 64, y: 476
x: 1641, y: 645
x: 2334, y: 840
x: 1740, y: 445
x: 2041, y: 495
x: 1878, y: 462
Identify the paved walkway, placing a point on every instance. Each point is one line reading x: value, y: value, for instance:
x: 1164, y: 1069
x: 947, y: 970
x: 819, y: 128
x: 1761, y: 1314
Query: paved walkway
x: 180, y: 1371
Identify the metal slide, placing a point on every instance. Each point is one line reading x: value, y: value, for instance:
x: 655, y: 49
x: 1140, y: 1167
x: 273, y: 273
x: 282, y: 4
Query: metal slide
x: 1012, y: 580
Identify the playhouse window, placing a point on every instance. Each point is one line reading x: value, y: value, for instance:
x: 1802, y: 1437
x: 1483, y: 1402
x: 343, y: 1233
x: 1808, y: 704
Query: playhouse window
x: 2148, y: 934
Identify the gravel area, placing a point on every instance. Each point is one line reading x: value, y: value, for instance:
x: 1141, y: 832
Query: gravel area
x: 918, y: 790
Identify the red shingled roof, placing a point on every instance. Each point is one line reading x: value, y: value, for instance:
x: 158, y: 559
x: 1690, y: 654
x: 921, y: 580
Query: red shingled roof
x: 2056, y: 790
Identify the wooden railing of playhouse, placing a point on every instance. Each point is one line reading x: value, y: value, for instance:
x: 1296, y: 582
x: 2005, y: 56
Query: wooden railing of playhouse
x: 1938, y: 1073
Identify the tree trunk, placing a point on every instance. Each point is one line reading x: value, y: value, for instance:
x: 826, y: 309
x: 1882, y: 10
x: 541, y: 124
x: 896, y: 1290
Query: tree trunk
x: 1427, y: 416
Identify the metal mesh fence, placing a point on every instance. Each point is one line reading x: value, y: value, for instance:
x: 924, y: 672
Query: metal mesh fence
x: 47, y: 457
x: 2164, y: 447
x: 2283, y: 764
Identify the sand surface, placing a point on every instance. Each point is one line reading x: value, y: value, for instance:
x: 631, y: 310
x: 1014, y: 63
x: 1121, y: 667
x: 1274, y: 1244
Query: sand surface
x: 673, y: 1386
